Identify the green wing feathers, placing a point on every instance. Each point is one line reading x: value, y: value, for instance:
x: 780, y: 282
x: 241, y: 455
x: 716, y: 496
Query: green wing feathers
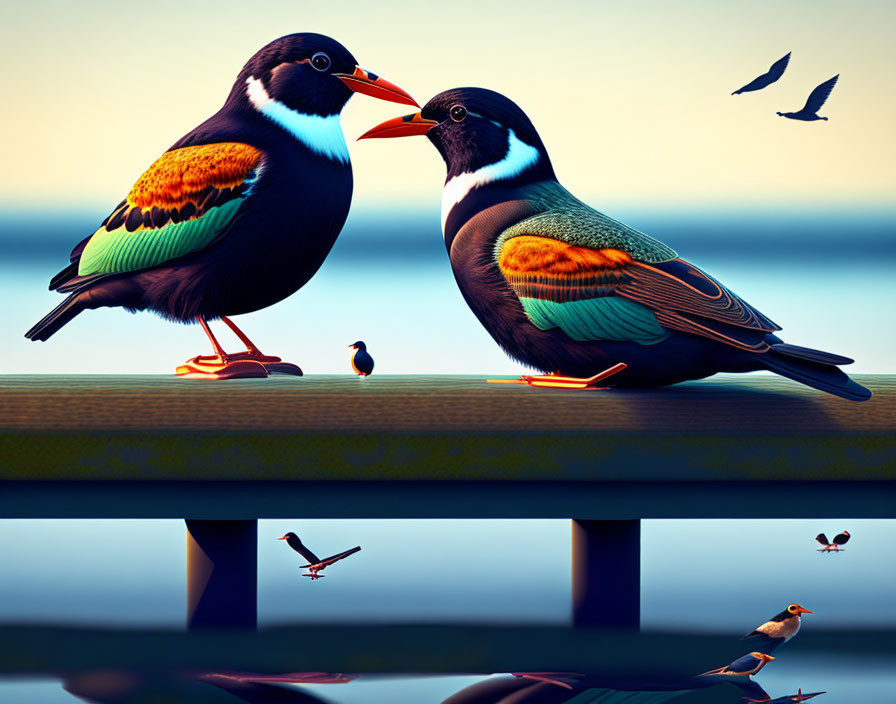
x: 180, y: 205
x: 607, y: 294
x: 120, y: 251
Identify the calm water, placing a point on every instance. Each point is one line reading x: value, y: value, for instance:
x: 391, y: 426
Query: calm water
x: 827, y: 280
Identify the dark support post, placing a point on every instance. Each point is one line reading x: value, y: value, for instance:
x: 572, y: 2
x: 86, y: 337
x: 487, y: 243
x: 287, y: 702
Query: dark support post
x: 222, y: 574
x: 606, y: 573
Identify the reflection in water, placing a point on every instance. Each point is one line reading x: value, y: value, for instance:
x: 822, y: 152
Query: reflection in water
x: 136, y: 687
x: 572, y: 688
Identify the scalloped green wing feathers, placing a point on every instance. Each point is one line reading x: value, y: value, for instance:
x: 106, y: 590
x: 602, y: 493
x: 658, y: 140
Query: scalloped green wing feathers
x: 184, y: 201
x: 121, y: 251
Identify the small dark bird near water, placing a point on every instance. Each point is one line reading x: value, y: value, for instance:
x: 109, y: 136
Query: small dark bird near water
x: 773, y: 74
x: 315, y: 565
x: 780, y: 628
x: 786, y: 699
x: 817, y: 98
x: 239, y: 213
x: 361, y: 360
x: 572, y: 292
x: 747, y: 665
x: 839, y: 541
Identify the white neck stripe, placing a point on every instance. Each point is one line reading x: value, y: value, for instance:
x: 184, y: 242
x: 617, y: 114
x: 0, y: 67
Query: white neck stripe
x: 520, y: 156
x: 322, y: 135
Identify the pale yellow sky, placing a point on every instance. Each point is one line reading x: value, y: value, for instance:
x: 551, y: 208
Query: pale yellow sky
x: 631, y: 98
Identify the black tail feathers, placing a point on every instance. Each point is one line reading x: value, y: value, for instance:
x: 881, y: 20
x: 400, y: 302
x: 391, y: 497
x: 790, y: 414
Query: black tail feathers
x: 814, y: 368
x: 67, y: 274
x: 810, y: 355
x: 55, y: 319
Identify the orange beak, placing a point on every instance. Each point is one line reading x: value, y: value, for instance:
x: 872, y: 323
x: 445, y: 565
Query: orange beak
x: 801, y: 610
x: 406, y: 126
x: 362, y: 81
x: 283, y: 538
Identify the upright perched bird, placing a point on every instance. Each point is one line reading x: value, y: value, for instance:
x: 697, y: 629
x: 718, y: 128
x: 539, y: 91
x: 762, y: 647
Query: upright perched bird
x: 315, y: 564
x: 817, y: 98
x: 362, y: 362
x: 780, y: 628
x: 562, y: 287
x: 766, y: 79
x: 240, y: 212
x: 747, y: 665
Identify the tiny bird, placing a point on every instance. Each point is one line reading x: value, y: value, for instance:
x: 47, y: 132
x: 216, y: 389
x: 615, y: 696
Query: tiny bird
x: 780, y: 628
x: 361, y: 360
x: 315, y: 565
x: 567, y: 290
x: 773, y: 74
x: 839, y: 540
x: 239, y: 213
x: 747, y: 665
x: 786, y: 699
x: 817, y: 98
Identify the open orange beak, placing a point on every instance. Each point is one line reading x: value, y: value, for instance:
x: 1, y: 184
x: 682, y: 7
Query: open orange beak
x: 362, y: 81
x: 406, y: 126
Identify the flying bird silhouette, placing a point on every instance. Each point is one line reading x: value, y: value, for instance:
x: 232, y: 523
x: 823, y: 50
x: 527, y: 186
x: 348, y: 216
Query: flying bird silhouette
x: 315, y: 564
x: 817, y: 98
x: 766, y: 79
x: 839, y: 541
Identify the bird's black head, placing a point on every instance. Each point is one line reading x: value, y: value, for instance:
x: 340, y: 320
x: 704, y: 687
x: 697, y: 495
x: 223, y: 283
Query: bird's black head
x: 359, y: 345
x: 473, y: 129
x: 310, y: 74
x: 477, y: 127
x: 289, y: 537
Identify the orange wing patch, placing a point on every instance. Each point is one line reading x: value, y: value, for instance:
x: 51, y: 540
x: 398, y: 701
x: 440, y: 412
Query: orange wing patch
x: 527, y: 254
x: 548, y: 269
x: 179, y: 177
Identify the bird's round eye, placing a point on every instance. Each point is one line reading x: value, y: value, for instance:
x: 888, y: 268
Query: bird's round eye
x: 320, y: 61
x: 458, y: 113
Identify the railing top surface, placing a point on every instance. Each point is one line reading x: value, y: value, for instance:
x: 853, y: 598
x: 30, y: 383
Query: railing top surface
x: 456, y: 404
x: 442, y: 428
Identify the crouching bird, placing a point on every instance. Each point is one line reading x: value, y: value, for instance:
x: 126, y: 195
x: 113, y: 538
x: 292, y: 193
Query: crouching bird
x: 745, y: 666
x: 563, y: 288
x: 239, y: 213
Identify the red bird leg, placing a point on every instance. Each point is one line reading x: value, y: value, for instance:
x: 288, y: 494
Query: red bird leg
x: 216, y: 346
x: 271, y: 363
x: 220, y: 365
x: 557, y: 381
x: 252, y: 350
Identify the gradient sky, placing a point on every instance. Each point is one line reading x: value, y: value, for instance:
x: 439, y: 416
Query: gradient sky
x: 632, y: 99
